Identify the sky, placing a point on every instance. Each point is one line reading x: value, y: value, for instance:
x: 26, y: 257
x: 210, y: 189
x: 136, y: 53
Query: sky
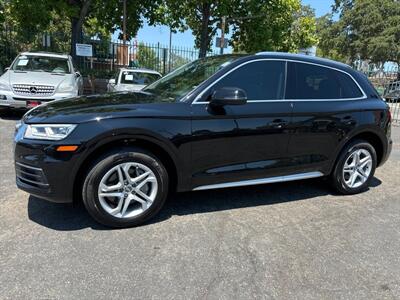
x: 160, y: 34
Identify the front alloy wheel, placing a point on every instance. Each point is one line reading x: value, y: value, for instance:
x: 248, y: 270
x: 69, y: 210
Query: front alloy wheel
x: 127, y: 190
x: 125, y: 187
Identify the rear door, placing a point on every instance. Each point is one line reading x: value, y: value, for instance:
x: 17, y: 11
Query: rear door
x: 326, y: 109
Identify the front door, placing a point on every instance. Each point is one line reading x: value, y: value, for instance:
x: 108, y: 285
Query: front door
x: 243, y: 142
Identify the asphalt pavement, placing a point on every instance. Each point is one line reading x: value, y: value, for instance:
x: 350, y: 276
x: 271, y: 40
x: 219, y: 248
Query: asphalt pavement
x: 295, y: 240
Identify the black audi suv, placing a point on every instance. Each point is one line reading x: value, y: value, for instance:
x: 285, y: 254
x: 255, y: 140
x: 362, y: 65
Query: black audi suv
x: 218, y: 122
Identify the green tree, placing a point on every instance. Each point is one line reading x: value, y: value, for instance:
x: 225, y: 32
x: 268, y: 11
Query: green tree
x: 366, y: 29
x: 202, y: 16
x: 147, y: 57
x: 90, y: 16
x: 257, y: 24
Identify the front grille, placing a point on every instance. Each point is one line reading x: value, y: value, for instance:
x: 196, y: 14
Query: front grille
x: 31, y: 176
x: 33, y: 90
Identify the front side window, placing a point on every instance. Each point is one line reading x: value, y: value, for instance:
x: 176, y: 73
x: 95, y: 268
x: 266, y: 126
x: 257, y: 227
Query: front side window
x: 177, y: 84
x: 142, y: 78
x: 261, y: 80
x: 307, y: 81
x: 41, y: 64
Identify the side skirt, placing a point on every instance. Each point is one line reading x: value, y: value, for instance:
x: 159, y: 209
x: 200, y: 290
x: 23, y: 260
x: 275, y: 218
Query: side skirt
x: 260, y: 181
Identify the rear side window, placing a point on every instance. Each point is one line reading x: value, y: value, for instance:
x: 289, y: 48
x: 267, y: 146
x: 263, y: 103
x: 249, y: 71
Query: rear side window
x: 307, y: 81
x: 261, y: 80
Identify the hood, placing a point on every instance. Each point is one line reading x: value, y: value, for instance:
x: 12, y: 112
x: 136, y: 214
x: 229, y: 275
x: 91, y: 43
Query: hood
x: 94, y: 107
x: 39, y: 78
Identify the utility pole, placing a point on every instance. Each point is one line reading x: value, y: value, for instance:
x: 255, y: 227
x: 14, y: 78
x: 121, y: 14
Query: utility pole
x: 124, y: 59
x: 222, y: 41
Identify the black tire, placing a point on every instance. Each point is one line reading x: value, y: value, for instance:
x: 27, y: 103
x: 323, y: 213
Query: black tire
x: 110, y: 160
x: 337, y: 177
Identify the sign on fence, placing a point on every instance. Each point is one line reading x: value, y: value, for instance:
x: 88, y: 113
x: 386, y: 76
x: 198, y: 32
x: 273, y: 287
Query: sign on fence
x: 84, y: 50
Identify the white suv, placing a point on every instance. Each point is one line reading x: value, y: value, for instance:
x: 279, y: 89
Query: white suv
x: 36, y: 77
x: 128, y: 79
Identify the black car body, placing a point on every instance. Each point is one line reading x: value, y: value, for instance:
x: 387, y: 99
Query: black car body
x: 304, y: 113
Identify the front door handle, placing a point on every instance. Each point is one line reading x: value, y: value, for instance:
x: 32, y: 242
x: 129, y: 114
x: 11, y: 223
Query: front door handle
x: 278, y: 123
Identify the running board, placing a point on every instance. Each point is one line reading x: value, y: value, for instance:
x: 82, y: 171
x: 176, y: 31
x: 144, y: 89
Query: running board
x: 260, y: 181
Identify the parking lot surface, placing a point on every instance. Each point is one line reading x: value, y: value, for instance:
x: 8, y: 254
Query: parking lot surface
x: 294, y: 240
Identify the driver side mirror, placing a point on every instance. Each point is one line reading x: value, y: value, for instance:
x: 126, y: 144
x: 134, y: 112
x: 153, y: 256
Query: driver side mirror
x: 111, y: 81
x: 78, y: 74
x: 228, y: 96
x: 6, y: 69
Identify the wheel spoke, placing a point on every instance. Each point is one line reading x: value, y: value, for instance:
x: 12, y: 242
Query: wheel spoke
x: 125, y: 169
x: 365, y: 163
x: 117, y: 195
x: 357, y: 157
x: 148, y: 179
x: 110, y: 188
x: 126, y: 204
x: 116, y: 210
x: 353, y: 178
x: 140, y: 177
x: 141, y: 201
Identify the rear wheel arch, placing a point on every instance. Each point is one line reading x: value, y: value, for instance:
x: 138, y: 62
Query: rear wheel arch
x: 132, y: 142
x: 368, y: 136
x: 374, y: 140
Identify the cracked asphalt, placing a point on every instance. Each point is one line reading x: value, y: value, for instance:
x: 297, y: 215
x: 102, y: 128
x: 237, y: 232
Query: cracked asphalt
x: 281, y: 241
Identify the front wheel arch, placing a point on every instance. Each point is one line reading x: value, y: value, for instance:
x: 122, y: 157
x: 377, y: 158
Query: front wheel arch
x: 165, y: 157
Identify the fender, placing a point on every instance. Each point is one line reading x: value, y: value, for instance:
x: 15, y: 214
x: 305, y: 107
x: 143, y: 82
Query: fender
x: 360, y: 130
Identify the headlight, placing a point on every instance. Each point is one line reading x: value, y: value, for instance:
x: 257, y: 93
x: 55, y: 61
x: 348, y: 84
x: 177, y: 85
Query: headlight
x: 65, y: 88
x: 4, y: 87
x: 53, y: 132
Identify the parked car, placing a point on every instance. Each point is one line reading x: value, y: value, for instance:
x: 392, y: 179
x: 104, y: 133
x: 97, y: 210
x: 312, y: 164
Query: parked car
x: 392, y: 91
x: 218, y: 122
x: 132, y: 79
x: 36, y: 77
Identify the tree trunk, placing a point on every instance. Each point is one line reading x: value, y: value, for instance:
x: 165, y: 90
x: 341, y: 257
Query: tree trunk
x: 77, y: 24
x: 204, y: 35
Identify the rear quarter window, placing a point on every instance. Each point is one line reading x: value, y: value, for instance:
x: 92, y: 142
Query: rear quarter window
x: 312, y: 82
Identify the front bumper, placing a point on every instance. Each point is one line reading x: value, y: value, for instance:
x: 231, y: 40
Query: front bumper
x: 15, y: 101
x: 42, y: 171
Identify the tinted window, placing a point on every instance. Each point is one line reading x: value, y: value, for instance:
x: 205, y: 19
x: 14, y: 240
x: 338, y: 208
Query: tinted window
x: 261, y: 80
x: 306, y: 81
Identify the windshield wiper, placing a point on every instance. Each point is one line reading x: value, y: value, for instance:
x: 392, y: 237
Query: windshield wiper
x: 19, y: 71
x: 55, y: 73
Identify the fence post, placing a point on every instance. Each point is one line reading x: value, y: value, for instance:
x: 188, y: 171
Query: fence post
x: 164, y: 60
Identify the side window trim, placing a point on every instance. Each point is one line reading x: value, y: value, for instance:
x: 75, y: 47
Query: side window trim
x: 200, y: 95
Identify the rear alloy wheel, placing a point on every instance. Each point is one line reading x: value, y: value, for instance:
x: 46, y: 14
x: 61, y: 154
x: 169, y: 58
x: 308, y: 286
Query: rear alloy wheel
x: 355, y: 168
x: 126, y: 188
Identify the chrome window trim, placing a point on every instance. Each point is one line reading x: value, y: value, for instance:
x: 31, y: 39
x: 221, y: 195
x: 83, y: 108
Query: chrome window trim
x: 195, y: 101
x: 284, y: 178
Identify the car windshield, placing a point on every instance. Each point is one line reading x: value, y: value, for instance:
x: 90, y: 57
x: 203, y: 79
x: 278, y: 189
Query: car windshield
x: 177, y: 84
x: 41, y: 64
x: 142, y: 78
